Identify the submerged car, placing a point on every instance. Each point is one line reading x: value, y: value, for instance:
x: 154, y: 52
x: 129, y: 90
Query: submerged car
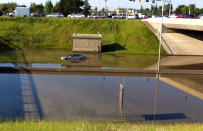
x: 73, y: 57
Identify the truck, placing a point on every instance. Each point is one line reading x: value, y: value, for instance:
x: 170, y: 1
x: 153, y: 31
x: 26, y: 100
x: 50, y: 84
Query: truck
x: 20, y: 11
x: 141, y: 16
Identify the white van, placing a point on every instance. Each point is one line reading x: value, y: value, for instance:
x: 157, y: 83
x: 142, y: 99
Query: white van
x: 20, y: 11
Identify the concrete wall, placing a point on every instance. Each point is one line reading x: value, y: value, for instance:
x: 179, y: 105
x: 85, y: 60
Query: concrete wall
x: 87, y: 42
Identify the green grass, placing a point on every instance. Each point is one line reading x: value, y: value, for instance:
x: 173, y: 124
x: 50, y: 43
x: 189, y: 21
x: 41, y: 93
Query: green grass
x: 119, y: 36
x: 96, y: 126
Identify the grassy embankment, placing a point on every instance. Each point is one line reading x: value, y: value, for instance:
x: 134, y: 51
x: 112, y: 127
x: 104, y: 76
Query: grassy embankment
x: 96, y: 126
x: 119, y: 36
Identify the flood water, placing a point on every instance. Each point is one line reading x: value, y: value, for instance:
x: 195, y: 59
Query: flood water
x: 51, y: 58
x: 179, y: 98
x: 78, y: 97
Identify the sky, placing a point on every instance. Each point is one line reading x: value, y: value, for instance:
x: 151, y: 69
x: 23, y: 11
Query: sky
x: 112, y: 4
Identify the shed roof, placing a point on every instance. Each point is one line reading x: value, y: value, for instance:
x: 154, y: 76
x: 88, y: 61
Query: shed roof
x: 93, y: 36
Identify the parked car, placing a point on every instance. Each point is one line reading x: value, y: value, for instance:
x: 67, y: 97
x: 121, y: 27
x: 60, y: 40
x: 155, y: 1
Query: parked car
x: 147, y: 17
x: 70, y: 15
x: 38, y: 15
x: 140, y: 15
x: 200, y: 16
x: 1, y: 13
x: 76, y: 16
x: 185, y: 16
x: 56, y: 15
x: 136, y: 16
x: 180, y: 16
x: 131, y: 17
x: 118, y: 17
x: 109, y: 15
x: 173, y: 16
x: 96, y: 16
x: 73, y: 57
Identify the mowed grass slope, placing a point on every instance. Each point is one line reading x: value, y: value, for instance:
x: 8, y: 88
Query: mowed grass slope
x: 96, y: 126
x: 119, y: 36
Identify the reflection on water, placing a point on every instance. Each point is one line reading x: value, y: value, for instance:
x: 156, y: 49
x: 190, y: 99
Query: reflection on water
x: 50, y: 58
x: 188, y: 83
x: 73, y: 97
x: 182, y: 62
x: 107, y: 98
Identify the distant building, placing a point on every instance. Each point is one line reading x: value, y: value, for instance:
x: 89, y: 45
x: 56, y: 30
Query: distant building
x: 121, y: 11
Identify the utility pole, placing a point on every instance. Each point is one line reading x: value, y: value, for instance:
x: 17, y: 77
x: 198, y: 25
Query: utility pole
x: 105, y: 8
x: 97, y: 7
x: 127, y: 10
x: 190, y: 7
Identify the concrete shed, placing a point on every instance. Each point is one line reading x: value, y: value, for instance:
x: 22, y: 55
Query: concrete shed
x: 87, y: 42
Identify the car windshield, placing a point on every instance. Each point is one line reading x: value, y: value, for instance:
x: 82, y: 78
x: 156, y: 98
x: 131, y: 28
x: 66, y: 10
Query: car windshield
x: 74, y: 55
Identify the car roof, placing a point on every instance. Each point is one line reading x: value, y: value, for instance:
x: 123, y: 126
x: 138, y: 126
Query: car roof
x: 75, y: 54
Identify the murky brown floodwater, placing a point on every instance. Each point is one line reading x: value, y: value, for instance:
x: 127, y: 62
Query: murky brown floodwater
x: 50, y: 58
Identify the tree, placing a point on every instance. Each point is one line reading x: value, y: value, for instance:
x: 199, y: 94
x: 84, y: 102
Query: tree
x: 57, y: 7
x: 158, y: 10
x: 70, y: 6
x: 199, y: 11
x: 192, y: 9
x: 22, y: 6
x: 141, y: 9
x: 184, y: 10
x: 8, y: 7
x: 86, y: 9
x: 36, y: 8
x: 168, y: 7
x: 48, y: 7
x: 181, y: 9
x: 95, y: 11
x: 102, y: 11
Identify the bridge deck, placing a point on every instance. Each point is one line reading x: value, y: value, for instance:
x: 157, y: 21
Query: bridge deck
x: 186, y: 24
x: 187, y: 41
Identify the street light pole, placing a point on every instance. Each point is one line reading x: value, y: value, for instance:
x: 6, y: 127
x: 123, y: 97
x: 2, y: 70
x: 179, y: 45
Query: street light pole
x: 127, y: 10
x: 105, y: 8
x: 161, y: 32
x: 158, y: 66
x: 170, y: 9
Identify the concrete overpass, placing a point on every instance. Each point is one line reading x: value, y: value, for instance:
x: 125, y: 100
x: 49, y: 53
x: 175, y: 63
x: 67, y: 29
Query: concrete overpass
x: 180, y: 36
